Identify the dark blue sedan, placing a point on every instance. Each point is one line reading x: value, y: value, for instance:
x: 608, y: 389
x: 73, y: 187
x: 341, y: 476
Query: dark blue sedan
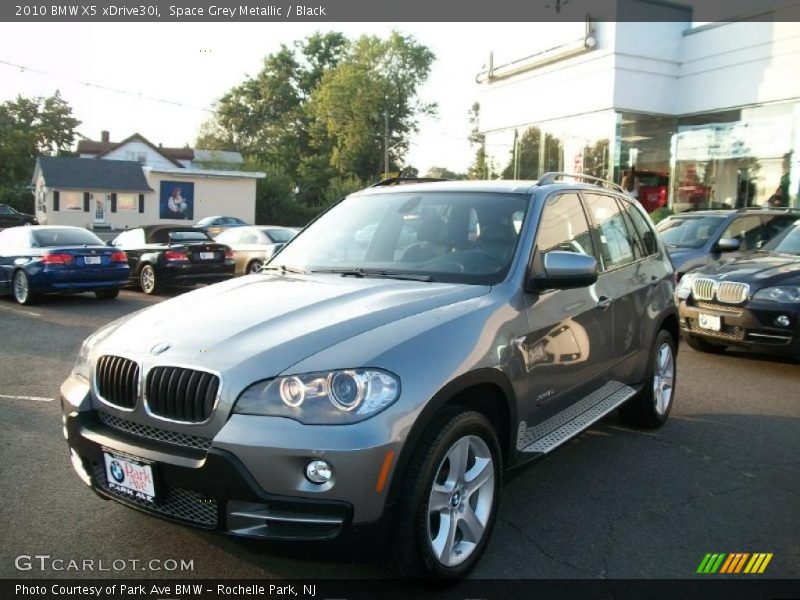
x: 45, y: 259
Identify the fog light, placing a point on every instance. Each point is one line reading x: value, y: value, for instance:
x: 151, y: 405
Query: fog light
x: 77, y: 464
x: 782, y: 321
x: 318, y: 471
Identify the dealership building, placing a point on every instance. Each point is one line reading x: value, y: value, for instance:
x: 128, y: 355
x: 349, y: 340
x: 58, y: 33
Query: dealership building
x: 120, y: 185
x: 709, y: 112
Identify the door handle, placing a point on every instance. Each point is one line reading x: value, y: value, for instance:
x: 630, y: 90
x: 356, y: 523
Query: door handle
x: 603, y: 302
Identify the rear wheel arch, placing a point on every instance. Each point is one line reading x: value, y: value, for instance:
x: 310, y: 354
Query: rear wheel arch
x: 487, y: 391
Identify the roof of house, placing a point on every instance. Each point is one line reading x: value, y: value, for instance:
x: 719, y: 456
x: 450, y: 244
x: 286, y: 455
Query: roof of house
x: 90, y: 174
x: 100, y: 149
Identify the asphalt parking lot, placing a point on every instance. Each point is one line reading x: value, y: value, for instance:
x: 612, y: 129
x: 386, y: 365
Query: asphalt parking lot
x: 722, y: 476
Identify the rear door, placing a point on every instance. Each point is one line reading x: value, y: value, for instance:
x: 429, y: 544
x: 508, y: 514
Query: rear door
x: 631, y: 272
x: 569, y: 340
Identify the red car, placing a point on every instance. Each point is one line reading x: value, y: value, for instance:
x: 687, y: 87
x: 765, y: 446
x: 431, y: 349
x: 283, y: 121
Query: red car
x: 653, y: 189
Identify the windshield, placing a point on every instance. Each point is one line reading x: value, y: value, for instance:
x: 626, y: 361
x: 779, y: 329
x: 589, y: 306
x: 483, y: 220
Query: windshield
x: 460, y: 237
x: 188, y: 236
x: 689, y: 232
x: 280, y: 236
x: 787, y: 242
x: 206, y: 221
x: 65, y: 237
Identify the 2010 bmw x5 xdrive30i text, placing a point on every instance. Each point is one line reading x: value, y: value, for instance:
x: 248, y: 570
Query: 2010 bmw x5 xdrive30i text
x: 384, y: 387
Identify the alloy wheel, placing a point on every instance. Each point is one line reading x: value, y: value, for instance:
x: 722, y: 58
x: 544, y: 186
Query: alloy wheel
x: 21, y: 287
x: 461, y: 500
x: 254, y: 267
x: 148, y: 279
x: 663, y: 378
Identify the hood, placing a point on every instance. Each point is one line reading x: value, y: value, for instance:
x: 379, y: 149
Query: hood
x: 685, y: 259
x: 270, y: 322
x: 759, y: 269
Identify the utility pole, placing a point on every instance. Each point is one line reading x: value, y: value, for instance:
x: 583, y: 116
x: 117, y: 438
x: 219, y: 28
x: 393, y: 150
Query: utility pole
x: 385, y: 143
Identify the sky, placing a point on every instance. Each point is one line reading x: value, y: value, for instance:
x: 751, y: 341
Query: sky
x: 193, y: 64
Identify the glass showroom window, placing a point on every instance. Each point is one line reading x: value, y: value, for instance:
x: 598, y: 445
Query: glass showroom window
x: 735, y: 164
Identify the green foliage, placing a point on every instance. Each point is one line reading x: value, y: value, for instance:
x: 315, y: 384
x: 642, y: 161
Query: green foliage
x: 660, y: 214
x: 276, y: 203
x: 480, y: 167
x: 444, y: 173
x: 315, y: 116
x: 19, y: 197
x: 528, y: 151
x: 31, y: 127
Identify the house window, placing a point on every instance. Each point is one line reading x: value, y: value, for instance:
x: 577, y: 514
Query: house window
x: 71, y: 201
x: 141, y: 157
x: 127, y: 202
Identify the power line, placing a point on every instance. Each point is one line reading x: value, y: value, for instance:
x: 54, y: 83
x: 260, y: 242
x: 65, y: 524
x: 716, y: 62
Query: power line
x: 106, y: 88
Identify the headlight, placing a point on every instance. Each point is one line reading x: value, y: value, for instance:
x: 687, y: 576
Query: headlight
x: 325, y: 398
x: 685, y: 288
x: 784, y: 294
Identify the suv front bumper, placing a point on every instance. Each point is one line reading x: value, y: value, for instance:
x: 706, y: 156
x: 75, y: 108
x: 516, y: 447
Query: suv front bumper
x: 221, y: 487
x: 751, y: 326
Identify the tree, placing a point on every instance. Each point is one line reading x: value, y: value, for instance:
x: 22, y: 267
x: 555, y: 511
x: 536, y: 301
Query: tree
x: 29, y: 128
x: 318, y: 109
x: 444, y: 173
x: 480, y: 167
x: 525, y: 158
x: 372, y: 90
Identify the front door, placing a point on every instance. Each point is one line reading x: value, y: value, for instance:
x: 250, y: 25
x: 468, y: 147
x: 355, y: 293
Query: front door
x: 100, y: 201
x: 570, y: 342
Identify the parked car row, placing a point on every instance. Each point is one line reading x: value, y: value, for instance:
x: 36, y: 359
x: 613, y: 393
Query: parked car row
x: 37, y: 260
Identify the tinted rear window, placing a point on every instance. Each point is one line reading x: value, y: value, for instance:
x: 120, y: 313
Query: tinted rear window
x: 65, y: 237
x: 164, y: 236
x: 280, y: 236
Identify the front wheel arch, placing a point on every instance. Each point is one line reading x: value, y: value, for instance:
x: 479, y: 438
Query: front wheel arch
x: 464, y: 391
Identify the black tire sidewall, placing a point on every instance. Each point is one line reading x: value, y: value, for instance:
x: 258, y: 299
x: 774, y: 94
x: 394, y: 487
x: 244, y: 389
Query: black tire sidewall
x: 417, y: 559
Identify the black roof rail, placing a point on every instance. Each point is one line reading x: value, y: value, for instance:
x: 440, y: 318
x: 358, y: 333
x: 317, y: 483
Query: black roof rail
x: 552, y: 176
x: 403, y: 180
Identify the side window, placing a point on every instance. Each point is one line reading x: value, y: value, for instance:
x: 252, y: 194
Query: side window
x: 772, y: 225
x: 617, y: 248
x: 564, y: 227
x: 747, y: 230
x: 248, y: 238
x: 643, y: 229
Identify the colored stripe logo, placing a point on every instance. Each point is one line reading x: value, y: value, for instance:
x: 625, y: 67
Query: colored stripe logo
x: 734, y: 563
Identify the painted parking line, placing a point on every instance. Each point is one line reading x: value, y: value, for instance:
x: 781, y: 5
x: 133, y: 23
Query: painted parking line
x: 30, y: 398
x: 21, y: 311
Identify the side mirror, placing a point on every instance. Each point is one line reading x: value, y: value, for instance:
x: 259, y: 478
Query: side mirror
x: 565, y: 270
x: 728, y: 245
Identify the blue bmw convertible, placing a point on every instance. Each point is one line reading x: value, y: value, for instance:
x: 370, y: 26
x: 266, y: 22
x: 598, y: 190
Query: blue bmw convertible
x: 46, y: 259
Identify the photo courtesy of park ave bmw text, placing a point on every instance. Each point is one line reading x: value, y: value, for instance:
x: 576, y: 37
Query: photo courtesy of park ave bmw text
x: 375, y: 300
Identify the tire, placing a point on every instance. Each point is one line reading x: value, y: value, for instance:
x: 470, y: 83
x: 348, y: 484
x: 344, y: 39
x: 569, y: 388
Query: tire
x: 148, y: 280
x: 254, y: 266
x: 651, y: 407
x: 107, y: 294
x: 702, y: 345
x: 420, y: 547
x: 21, y: 288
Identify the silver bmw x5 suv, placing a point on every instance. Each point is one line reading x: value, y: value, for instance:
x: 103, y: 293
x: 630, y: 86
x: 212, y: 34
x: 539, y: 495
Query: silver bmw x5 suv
x: 380, y: 374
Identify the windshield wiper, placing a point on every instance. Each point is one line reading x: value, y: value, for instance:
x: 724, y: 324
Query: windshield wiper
x: 359, y: 272
x: 286, y: 269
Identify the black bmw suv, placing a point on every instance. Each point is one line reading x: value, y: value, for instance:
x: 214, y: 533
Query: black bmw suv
x: 751, y: 301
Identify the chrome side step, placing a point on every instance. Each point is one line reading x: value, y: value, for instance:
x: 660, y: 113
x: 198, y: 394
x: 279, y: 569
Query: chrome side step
x: 548, y: 435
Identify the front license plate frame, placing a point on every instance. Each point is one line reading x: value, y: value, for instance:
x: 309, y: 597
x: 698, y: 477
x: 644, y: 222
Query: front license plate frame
x: 130, y: 476
x: 709, y: 322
